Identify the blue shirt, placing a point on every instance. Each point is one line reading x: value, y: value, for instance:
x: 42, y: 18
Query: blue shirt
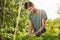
x: 37, y: 19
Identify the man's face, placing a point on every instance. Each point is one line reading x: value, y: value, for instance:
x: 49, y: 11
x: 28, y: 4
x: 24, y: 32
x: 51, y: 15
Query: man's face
x: 30, y: 9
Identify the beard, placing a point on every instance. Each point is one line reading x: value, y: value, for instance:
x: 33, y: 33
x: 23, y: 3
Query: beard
x: 31, y: 10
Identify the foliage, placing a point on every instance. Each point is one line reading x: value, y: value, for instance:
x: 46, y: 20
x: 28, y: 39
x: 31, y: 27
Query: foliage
x: 8, y: 15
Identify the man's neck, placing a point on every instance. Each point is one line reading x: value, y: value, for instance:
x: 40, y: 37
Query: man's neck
x: 35, y: 11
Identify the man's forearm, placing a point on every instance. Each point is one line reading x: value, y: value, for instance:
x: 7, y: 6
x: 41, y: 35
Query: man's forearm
x: 30, y: 30
x: 42, y: 27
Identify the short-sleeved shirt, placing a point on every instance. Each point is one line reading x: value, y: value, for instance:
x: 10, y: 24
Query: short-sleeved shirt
x: 37, y: 19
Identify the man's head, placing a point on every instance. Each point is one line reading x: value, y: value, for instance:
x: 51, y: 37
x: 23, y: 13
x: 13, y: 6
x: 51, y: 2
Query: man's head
x: 29, y: 6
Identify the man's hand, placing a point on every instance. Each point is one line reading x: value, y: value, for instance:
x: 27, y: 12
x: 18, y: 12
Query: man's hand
x: 32, y: 35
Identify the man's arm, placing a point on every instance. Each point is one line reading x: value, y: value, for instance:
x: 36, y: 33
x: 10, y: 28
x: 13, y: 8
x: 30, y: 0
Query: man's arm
x: 30, y: 27
x: 42, y: 27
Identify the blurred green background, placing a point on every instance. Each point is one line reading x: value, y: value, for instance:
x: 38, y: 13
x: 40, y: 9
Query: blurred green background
x: 8, y: 14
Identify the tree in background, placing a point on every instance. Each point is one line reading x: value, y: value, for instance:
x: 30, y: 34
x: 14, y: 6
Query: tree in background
x: 8, y: 14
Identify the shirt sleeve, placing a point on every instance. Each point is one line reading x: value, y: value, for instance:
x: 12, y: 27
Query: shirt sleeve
x: 44, y: 15
x: 29, y: 16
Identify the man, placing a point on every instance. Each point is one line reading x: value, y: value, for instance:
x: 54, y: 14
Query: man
x: 37, y: 19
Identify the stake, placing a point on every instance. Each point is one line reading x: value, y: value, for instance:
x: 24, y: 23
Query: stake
x: 17, y: 19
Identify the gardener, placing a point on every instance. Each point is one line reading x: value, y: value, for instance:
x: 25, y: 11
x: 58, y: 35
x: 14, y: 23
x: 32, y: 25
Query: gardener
x: 37, y: 19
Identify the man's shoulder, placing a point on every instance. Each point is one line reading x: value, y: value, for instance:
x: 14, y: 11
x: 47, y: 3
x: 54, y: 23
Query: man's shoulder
x: 29, y: 15
x: 42, y: 10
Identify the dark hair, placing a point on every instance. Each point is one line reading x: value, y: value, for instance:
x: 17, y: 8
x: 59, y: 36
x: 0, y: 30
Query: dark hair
x: 28, y: 4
